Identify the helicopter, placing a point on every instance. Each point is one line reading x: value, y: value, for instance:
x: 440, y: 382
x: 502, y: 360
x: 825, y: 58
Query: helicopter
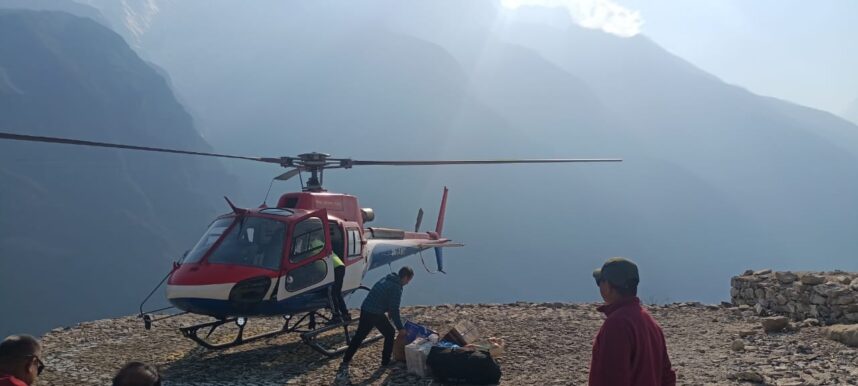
x: 277, y: 261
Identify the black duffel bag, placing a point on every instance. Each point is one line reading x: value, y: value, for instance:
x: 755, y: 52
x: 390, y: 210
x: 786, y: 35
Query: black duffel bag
x: 463, y: 366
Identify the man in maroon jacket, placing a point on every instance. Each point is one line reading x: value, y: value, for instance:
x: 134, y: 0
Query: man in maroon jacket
x: 630, y: 347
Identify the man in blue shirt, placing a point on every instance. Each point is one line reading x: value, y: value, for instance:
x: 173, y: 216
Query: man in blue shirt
x: 384, y: 296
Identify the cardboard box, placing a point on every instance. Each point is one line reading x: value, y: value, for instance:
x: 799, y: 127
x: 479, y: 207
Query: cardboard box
x: 463, y: 333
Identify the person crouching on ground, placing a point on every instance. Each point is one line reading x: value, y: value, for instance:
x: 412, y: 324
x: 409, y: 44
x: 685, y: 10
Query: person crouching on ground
x: 384, y: 296
x: 20, y: 362
x: 629, y: 348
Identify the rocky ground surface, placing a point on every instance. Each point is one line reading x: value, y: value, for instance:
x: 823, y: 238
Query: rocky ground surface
x: 547, y: 344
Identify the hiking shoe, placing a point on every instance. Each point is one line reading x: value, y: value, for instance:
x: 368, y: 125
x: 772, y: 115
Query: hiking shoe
x: 393, y: 365
x: 343, y: 372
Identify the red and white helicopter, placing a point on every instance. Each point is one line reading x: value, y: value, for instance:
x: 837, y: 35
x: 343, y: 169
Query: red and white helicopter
x: 271, y: 261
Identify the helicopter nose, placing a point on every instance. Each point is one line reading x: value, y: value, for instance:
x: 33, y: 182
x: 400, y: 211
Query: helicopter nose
x: 216, y: 289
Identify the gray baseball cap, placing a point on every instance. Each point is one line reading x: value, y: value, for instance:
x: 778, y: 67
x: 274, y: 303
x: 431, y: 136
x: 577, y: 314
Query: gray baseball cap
x: 618, y: 271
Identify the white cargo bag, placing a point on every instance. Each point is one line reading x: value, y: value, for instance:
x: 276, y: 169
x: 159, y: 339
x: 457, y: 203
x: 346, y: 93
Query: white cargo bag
x: 415, y: 356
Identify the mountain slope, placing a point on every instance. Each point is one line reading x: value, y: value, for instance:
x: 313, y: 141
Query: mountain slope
x: 83, y: 226
x: 70, y: 7
x: 715, y: 178
x: 784, y: 164
x: 851, y: 112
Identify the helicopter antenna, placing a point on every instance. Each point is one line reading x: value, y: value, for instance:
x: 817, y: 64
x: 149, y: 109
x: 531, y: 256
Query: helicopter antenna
x: 265, y: 201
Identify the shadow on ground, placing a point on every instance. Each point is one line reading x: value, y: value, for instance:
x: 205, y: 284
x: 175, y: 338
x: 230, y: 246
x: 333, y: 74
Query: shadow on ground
x: 269, y: 364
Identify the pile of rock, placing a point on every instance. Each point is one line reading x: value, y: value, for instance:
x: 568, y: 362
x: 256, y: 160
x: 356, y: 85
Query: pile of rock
x: 831, y: 297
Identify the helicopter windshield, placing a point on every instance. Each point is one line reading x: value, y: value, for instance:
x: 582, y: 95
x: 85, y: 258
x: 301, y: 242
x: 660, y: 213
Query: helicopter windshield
x: 209, y: 238
x: 252, y: 241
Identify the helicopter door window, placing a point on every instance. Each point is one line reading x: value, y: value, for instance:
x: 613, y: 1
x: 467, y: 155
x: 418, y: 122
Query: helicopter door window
x: 308, y: 241
x: 338, y: 246
x: 354, y: 243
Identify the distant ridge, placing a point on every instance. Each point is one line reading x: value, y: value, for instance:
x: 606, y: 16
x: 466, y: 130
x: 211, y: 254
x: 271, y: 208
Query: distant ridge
x: 851, y: 112
x: 84, y: 232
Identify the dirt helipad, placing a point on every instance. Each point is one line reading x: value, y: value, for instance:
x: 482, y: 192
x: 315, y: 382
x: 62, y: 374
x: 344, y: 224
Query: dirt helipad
x: 547, y: 344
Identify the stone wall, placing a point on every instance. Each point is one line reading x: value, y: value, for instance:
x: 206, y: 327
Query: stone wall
x: 830, y: 297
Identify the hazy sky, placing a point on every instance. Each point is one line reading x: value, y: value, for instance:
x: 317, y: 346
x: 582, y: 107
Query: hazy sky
x: 801, y: 51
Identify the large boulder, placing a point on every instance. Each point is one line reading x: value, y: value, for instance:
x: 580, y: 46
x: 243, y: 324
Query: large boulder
x: 844, y: 333
x: 774, y: 323
x: 786, y: 277
x: 812, y: 279
x: 831, y: 290
x: 747, y: 376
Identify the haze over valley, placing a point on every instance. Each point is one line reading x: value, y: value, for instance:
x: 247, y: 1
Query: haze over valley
x: 715, y: 179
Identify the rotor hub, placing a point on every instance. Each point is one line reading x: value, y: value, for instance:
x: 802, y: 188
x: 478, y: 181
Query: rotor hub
x: 314, y: 159
x: 315, y: 163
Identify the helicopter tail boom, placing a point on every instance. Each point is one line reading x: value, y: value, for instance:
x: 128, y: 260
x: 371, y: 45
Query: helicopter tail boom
x: 389, y: 245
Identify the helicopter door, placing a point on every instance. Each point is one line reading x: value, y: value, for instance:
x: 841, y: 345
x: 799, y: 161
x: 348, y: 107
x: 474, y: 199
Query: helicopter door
x: 307, y: 266
x: 354, y: 257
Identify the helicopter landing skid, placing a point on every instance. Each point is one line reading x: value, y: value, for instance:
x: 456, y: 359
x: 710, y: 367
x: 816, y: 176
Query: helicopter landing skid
x: 309, y: 333
x: 310, y: 339
x: 193, y: 332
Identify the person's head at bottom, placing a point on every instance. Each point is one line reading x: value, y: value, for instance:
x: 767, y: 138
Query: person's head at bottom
x: 405, y: 275
x: 137, y: 374
x: 617, y: 279
x: 20, y: 357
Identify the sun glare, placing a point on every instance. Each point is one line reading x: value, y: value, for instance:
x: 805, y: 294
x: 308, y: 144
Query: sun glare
x: 604, y: 15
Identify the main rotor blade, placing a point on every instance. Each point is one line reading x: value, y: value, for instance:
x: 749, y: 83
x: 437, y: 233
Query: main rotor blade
x: 36, y: 138
x: 289, y: 174
x: 484, y: 162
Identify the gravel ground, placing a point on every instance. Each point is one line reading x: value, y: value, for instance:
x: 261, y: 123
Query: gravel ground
x: 547, y: 344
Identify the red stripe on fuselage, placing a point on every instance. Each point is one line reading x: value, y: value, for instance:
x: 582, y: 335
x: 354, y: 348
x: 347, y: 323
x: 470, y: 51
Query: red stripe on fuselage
x: 205, y: 273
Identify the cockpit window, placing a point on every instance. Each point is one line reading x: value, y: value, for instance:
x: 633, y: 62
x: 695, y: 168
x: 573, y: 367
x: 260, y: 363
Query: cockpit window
x: 209, y: 238
x: 309, y: 239
x: 252, y: 241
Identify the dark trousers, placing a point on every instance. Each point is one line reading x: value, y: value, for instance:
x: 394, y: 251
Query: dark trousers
x: 367, y: 322
x: 340, y: 307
